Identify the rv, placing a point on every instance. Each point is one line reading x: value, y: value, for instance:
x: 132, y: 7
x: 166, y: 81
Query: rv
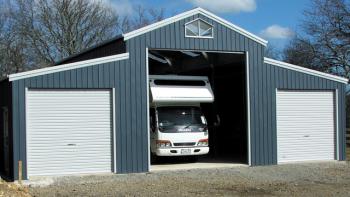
x: 177, y: 124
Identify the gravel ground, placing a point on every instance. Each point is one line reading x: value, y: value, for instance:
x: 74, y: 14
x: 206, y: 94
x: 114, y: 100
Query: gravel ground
x: 12, y: 190
x: 312, y: 179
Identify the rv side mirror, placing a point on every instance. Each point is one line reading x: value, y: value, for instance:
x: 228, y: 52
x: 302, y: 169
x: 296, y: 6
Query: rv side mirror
x: 204, y: 121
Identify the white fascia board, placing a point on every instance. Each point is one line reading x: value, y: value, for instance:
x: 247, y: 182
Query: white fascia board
x: 70, y: 66
x: 184, y: 15
x: 232, y: 26
x: 305, y: 70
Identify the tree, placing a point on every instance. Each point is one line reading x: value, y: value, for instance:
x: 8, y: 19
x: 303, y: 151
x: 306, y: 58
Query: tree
x: 36, y: 33
x: 301, y: 52
x: 141, y: 17
x: 55, y: 29
x: 324, y: 43
x: 12, y: 57
x: 273, y: 52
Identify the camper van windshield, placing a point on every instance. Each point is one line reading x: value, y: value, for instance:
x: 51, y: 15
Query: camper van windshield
x: 179, y: 117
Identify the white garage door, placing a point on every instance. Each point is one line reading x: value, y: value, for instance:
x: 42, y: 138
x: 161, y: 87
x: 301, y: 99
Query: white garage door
x: 69, y: 131
x: 305, y: 126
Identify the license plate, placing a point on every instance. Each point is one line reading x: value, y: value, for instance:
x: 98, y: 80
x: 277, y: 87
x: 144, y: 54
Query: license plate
x: 185, y: 151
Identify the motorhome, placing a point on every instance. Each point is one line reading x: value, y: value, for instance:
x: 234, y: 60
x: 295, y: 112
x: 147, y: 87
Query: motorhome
x: 177, y: 124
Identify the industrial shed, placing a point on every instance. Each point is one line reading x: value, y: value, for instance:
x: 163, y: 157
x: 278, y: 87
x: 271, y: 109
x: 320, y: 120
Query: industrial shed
x: 90, y: 112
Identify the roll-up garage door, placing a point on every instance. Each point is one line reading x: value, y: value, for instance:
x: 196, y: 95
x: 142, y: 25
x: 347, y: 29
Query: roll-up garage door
x: 305, y: 125
x: 69, y: 131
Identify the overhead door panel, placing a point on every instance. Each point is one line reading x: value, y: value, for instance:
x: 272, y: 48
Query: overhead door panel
x: 305, y: 125
x: 69, y: 131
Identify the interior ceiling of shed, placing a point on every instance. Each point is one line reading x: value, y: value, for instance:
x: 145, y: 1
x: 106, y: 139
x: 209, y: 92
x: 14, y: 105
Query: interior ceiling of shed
x: 191, y: 62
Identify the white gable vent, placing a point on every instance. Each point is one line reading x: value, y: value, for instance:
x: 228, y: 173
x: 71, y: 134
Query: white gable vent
x: 199, y: 29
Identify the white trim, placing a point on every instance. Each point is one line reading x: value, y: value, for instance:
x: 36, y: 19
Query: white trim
x: 26, y: 131
x: 184, y: 15
x: 248, y: 109
x: 148, y: 119
x: 71, y: 66
x: 305, y: 70
x: 276, y: 123
x: 199, y: 36
x: 198, y: 51
x: 114, y: 133
x: 337, y: 123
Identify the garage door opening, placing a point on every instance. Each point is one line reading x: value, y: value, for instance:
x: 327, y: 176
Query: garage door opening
x: 227, y: 115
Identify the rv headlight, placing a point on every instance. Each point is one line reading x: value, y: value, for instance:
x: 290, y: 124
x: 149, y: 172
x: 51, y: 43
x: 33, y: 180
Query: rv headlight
x: 163, y: 144
x: 203, y: 142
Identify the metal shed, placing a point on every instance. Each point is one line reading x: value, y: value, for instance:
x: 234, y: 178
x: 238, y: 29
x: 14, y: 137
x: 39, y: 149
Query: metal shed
x: 107, y: 86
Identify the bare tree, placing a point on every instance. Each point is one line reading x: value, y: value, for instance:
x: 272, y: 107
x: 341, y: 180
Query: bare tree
x: 272, y: 51
x: 54, y: 29
x: 301, y: 51
x: 36, y: 33
x: 324, y: 43
x: 12, y: 47
x: 141, y: 17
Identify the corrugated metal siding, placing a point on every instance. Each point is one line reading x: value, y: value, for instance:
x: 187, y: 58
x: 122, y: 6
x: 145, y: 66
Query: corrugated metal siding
x: 129, y: 78
x: 130, y: 108
x: 263, y: 79
x: 280, y: 78
x: 172, y: 37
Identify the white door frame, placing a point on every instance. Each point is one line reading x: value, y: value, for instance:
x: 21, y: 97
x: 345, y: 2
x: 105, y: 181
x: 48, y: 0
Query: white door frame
x: 337, y: 124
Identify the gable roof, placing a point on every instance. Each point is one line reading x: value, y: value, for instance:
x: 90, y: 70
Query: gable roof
x: 305, y: 70
x: 184, y: 15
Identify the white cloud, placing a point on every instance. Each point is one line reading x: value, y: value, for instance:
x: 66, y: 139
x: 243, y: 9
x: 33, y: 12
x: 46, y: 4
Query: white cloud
x: 122, y: 7
x: 277, y: 32
x: 225, y: 6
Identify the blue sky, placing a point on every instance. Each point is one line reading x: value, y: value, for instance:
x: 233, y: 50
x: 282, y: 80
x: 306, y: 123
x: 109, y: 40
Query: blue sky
x: 274, y: 20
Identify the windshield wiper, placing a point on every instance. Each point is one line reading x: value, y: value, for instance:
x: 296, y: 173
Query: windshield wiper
x: 188, y: 125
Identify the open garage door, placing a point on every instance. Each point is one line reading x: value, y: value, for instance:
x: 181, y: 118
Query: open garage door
x: 305, y: 125
x: 226, y: 117
x: 69, y: 131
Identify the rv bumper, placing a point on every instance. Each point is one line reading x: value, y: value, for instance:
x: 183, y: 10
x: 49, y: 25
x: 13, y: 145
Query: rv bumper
x: 185, y: 151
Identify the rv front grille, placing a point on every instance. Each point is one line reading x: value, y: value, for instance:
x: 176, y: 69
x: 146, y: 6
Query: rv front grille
x: 185, y: 144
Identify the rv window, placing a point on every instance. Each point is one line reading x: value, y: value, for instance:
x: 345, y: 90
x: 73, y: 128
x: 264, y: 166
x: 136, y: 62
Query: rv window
x: 171, y: 117
x: 179, y: 82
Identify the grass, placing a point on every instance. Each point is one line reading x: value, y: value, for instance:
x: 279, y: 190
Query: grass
x: 348, y: 153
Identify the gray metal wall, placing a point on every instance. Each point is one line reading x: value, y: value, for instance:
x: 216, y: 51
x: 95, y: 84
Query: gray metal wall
x: 131, y: 126
x: 264, y: 96
x: 129, y: 79
x: 172, y: 37
x: 263, y: 79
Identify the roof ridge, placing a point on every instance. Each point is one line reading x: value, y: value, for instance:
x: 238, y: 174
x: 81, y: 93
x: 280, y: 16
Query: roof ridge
x: 189, y: 13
